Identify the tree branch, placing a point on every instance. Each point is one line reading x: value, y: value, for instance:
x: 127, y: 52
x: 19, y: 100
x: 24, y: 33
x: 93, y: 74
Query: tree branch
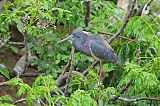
x: 3, y: 84
x: 70, y: 71
x: 20, y: 66
x: 16, y: 43
x: 87, y: 15
x: 137, y: 99
x: 128, y: 16
x: 62, y: 77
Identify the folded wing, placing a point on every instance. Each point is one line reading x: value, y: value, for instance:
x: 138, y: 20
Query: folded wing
x: 102, y: 52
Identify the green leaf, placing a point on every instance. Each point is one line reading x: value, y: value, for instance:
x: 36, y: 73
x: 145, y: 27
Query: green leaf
x: 6, y: 104
x: 5, y: 73
x: 81, y: 98
x: 46, y: 5
x: 15, y: 81
x: 23, y: 88
x: 5, y: 98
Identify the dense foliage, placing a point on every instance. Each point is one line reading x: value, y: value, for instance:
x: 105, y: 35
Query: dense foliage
x: 45, y: 22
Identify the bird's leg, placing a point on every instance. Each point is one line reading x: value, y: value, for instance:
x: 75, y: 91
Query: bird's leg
x: 100, y: 70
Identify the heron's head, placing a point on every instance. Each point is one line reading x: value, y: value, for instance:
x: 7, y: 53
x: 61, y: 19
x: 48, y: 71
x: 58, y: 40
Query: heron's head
x: 74, y: 34
x: 77, y: 34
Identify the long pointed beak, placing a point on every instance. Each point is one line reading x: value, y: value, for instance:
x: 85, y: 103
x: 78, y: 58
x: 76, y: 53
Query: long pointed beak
x: 65, y: 39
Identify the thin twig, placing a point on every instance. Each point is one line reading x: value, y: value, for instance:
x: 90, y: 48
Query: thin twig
x: 137, y: 99
x: 19, y: 101
x: 16, y: 43
x: 146, y: 5
x: 66, y: 67
x: 128, y: 16
x: 126, y: 38
x: 149, y: 2
x: 70, y: 71
x: 87, y: 15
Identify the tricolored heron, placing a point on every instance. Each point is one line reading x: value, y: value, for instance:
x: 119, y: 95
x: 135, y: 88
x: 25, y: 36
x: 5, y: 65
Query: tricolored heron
x: 93, y: 46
